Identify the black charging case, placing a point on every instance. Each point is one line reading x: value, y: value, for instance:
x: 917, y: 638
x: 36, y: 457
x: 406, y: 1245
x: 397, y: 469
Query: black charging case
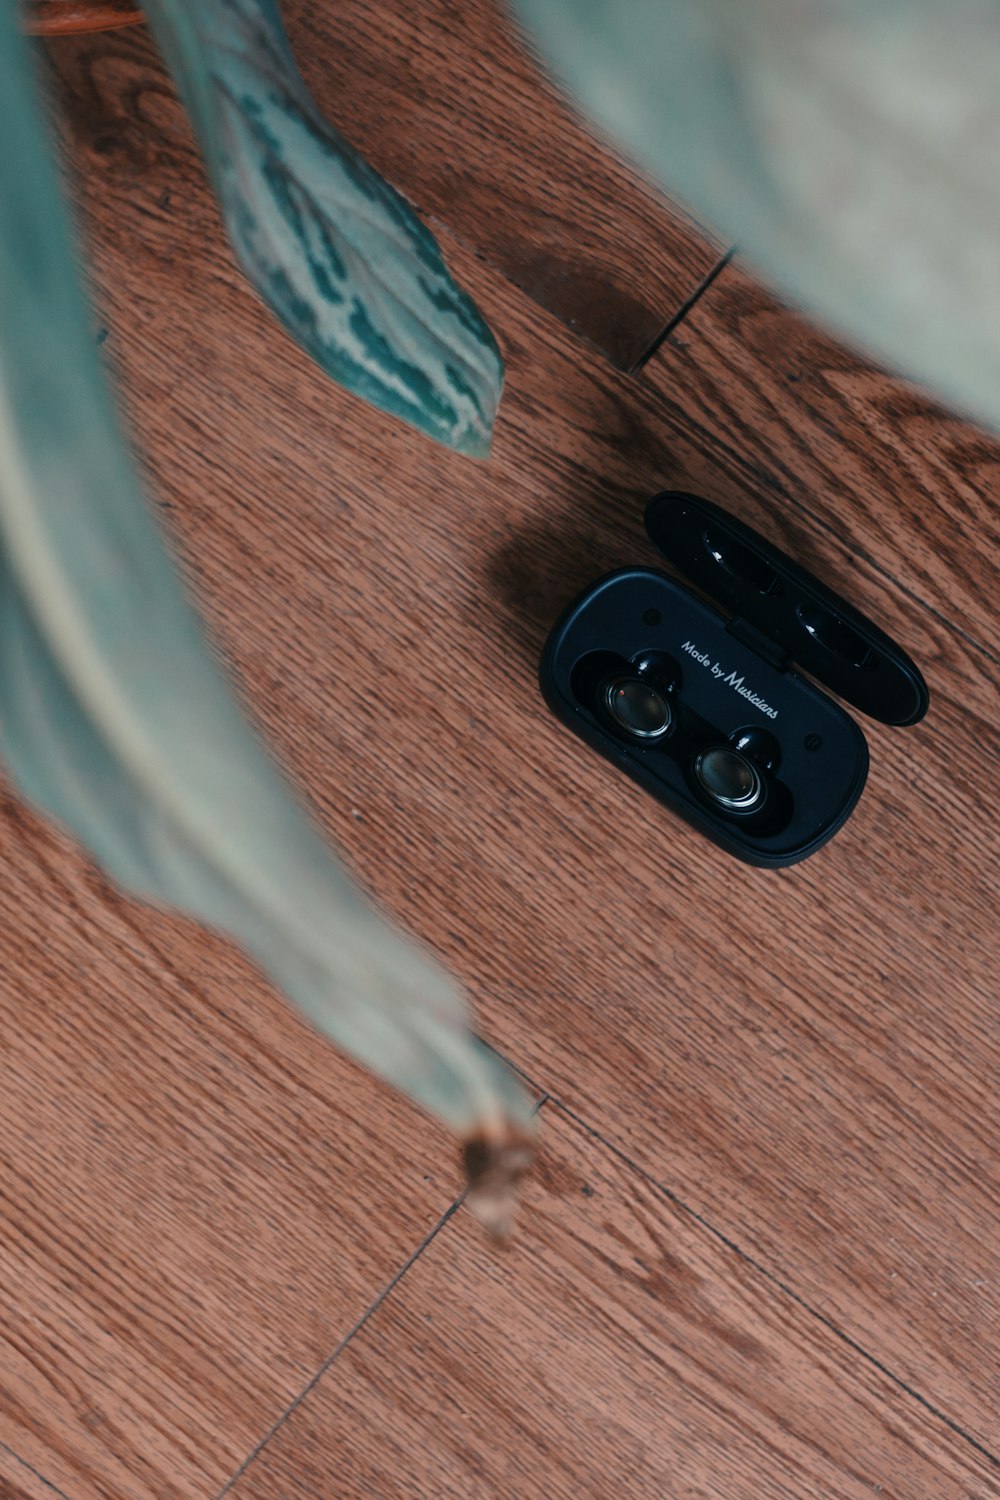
x: 705, y: 709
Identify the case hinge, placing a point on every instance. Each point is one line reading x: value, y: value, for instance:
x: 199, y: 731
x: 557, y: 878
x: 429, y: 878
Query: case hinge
x: 762, y: 644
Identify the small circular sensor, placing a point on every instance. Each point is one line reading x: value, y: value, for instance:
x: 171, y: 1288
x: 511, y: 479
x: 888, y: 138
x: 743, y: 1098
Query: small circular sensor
x: 730, y: 779
x: 637, y: 708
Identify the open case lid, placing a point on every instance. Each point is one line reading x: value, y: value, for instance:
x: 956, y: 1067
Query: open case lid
x: 802, y: 619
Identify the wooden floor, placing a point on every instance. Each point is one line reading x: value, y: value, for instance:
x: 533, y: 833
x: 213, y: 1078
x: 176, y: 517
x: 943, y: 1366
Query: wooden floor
x: 760, y: 1255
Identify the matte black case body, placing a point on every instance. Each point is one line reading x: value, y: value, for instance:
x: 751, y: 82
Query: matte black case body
x: 734, y: 672
x: 824, y: 783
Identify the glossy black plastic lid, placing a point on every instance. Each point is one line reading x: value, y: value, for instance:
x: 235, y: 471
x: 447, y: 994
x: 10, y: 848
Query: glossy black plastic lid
x: 796, y: 615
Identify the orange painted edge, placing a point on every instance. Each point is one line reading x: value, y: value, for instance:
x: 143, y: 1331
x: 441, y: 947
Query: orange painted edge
x: 72, y: 18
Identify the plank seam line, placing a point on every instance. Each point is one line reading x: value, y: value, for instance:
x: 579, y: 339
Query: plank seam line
x: 777, y: 1282
x: 32, y: 1470
x: 356, y: 1328
x: 686, y: 306
x: 314, y: 1379
x: 486, y: 256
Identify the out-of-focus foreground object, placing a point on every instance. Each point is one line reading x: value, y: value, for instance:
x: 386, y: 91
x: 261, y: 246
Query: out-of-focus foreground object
x: 334, y: 250
x: 115, y: 720
x: 849, y: 146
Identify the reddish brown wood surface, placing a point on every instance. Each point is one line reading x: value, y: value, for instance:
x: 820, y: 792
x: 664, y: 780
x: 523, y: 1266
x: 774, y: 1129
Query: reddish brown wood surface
x: 575, y: 1366
x: 906, y: 484
x: 19, y: 1482
x: 446, y: 103
x: 201, y: 1199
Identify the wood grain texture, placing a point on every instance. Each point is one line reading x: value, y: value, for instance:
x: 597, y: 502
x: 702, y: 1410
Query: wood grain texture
x: 199, y: 1197
x: 446, y: 103
x: 19, y: 1482
x: 907, y: 485
x: 808, y: 1057
x: 576, y: 1366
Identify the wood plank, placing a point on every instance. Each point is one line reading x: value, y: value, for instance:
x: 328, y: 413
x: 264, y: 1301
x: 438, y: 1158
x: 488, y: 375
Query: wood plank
x: 906, y: 484
x: 809, y: 1057
x: 199, y: 1197
x: 806, y: 1055
x: 18, y: 1481
x: 619, y: 1349
x: 447, y: 103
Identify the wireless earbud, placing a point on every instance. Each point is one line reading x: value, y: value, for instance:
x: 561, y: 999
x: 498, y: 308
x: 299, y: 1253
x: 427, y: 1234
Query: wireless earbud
x: 637, y: 708
x: 730, y: 780
x: 759, y: 744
